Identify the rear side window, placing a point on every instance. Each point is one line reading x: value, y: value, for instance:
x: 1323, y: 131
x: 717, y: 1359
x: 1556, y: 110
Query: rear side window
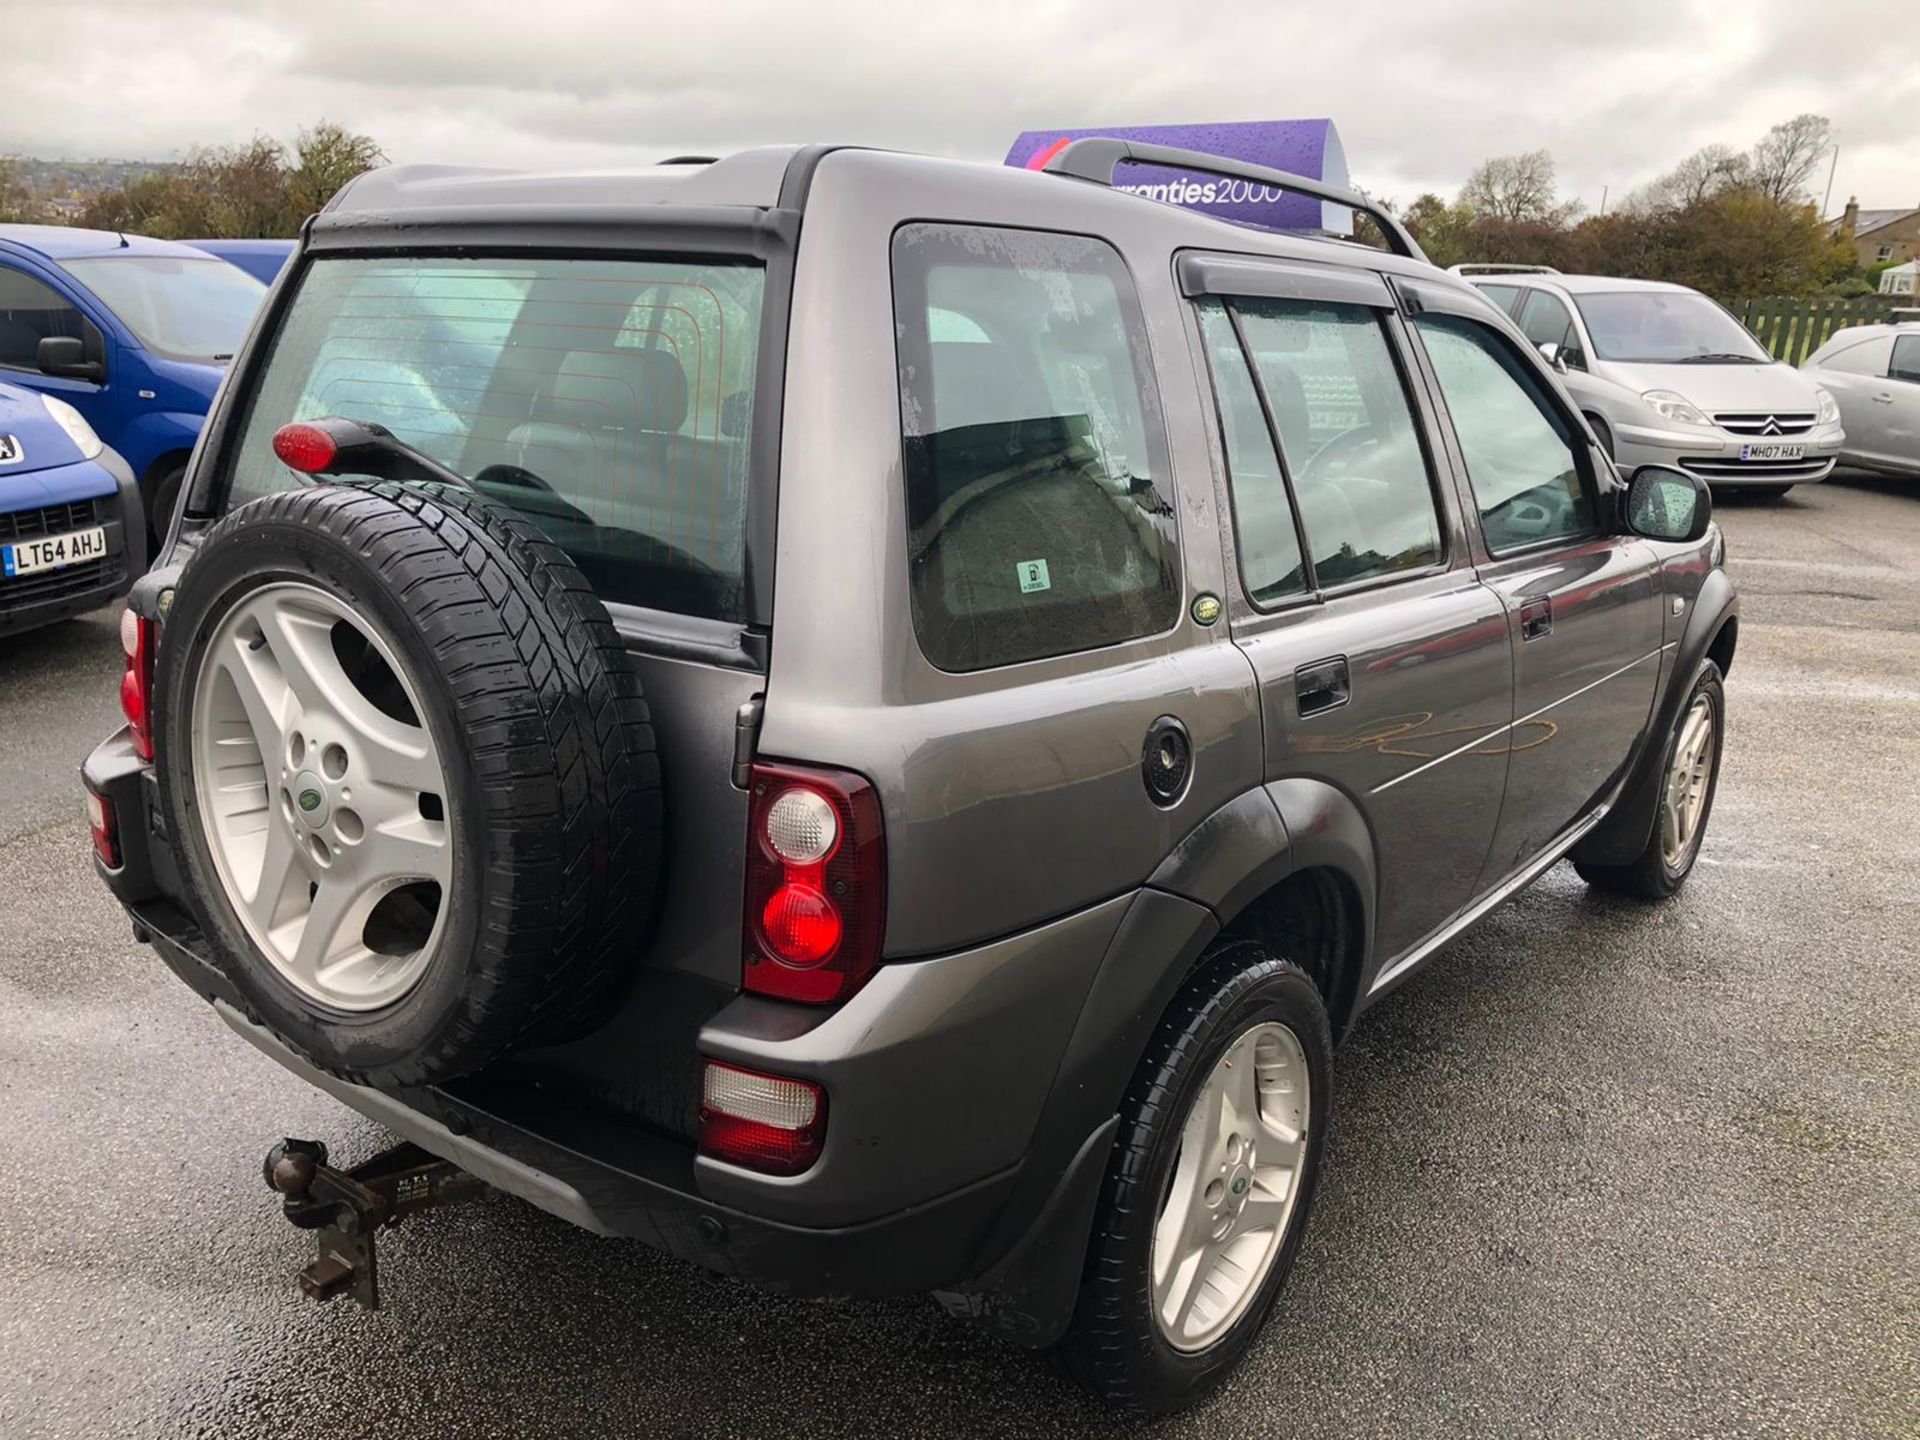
x: 609, y: 401
x: 1038, y: 511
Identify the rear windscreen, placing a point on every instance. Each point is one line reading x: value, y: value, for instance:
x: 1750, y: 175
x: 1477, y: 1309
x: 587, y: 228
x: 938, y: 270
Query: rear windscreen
x: 609, y: 401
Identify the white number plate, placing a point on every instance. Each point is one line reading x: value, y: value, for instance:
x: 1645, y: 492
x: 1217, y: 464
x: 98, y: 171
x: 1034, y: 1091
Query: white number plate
x: 1772, y: 450
x: 23, y: 557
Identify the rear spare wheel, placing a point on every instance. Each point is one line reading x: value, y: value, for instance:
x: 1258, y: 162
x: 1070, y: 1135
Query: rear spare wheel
x: 411, y: 775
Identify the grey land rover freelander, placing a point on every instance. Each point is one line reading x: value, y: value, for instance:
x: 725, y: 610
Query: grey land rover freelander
x: 869, y: 721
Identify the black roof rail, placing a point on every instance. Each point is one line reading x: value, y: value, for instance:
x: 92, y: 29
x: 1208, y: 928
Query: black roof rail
x: 1096, y: 157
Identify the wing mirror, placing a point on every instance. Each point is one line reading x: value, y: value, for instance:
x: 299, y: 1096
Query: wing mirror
x: 66, y: 356
x: 1550, y: 352
x: 1667, y: 504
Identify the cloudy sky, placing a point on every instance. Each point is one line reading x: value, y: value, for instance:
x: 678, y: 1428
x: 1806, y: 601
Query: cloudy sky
x: 1616, y: 89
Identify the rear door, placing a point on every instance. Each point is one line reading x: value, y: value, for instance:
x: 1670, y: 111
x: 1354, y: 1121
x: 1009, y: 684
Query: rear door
x: 1383, y: 662
x: 1581, y: 601
x: 1897, y: 434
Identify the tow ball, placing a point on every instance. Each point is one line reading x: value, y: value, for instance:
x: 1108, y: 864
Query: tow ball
x: 348, y: 1207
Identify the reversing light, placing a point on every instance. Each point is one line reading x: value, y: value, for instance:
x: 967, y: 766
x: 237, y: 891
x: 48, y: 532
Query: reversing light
x: 137, y: 639
x: 770, y: 1123
x: 303, y: 447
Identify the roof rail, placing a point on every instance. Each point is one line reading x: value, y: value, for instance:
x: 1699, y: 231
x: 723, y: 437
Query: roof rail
x: 1096, y: 157
x: 1499, y: 268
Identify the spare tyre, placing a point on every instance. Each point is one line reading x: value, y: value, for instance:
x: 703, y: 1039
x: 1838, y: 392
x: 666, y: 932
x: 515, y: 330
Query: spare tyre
x: 411, y: 776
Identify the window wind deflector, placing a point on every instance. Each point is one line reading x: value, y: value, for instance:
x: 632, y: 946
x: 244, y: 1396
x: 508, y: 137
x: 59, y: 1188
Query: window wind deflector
x: 1205, y: 274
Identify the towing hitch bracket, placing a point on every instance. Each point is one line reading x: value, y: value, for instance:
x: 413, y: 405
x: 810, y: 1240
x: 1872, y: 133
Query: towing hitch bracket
x: 346, y: 1208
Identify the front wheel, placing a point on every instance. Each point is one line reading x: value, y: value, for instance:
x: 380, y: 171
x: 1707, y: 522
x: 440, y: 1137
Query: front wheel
x: 163, y: 498
x: 1687, y: 785
x: 1208, y: 1190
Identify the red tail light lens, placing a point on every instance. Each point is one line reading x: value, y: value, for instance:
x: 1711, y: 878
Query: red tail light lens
x: 816, y: 883
x: 138, y: 638
x: 302, y: 447
x: 768, y: 1123
x: 105, y: 826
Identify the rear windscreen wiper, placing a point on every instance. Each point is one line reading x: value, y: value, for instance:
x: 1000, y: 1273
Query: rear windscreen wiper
x: 334, y: 445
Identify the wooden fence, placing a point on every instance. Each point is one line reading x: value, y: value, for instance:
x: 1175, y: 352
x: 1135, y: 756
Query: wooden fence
x: 1793, y: 329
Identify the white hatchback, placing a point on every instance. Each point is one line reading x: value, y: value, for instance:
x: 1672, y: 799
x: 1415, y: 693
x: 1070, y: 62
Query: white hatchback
x: 1666, y: 376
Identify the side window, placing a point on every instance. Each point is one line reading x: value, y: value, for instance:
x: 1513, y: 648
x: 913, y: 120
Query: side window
x: 1547, y: 322
x: 1502, y: 295
x: 1863, y: 357
x: 1268, y: 542
x: 1906, y: 359
x: 29, y: 312
x: 1348, y: 437
x: 1038, y: 511
x: 1522, y: 456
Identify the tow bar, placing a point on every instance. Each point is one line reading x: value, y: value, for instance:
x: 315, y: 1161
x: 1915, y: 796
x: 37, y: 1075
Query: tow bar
x: 347, y: 1207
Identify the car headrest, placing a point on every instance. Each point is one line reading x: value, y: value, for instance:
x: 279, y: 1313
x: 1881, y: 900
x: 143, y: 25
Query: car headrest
x: 619, y: 389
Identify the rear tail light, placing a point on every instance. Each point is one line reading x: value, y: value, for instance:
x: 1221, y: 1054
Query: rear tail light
x: 816, y: 883
x: 137, y: 638
x: 106, y: 829
x: 762, y: 1122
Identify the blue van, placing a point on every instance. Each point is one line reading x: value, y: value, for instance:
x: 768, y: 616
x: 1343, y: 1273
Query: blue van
x: 262, y: 259
x: 133, y: 333
x: 72, y: 536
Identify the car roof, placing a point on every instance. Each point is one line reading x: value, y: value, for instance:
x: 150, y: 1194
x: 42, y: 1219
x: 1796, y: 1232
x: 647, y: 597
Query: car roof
x: 242, y: 247
x: 1581, y: 284
x: 67, y: 242
x: 780, y: 175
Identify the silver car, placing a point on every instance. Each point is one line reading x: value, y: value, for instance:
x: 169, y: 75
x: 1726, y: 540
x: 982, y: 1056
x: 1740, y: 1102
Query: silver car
x: 1665, y: 376
x: 1873, y: 372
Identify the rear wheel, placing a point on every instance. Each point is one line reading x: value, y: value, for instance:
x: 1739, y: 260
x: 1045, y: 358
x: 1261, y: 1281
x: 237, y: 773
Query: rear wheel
x: 1211, y: 1180
x: 1687, y: 785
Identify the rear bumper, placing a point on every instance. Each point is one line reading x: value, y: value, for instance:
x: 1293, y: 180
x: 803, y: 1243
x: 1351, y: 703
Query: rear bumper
x: 954, y: 1152
x: 50, y: 596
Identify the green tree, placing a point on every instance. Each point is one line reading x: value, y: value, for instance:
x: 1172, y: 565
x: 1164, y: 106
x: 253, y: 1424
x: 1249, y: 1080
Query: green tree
x: 326, y: 158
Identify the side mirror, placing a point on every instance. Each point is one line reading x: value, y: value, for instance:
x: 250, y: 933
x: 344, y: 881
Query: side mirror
x: 66, y: 356
x: 1667, y: 504
x: 1550, y: 353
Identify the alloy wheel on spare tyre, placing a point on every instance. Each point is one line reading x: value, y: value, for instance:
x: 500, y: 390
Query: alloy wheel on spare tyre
x: 341, y: 879
x: 411, y: 772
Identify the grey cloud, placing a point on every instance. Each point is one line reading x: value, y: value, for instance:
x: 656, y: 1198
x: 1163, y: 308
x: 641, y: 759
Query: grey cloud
x: 1422, y: 92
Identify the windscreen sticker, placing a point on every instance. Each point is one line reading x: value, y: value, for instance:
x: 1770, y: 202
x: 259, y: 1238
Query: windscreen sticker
x: 1033, y: 576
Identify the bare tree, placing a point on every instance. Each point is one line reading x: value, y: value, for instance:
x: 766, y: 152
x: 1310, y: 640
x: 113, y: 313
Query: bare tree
x: 1784, y: 161
x: 1709, y: 171
x: 1516, y: 189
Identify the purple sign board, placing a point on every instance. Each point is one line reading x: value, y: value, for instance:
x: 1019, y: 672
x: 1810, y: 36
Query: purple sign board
x: 1304, y: 147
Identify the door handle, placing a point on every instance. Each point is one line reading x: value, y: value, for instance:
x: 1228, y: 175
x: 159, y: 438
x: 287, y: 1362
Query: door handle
x: 1883, y: 399
x: 1324, y: 685
x: 1536, y: 619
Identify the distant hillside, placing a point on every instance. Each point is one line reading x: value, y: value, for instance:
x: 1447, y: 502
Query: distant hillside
x: 58, y: 190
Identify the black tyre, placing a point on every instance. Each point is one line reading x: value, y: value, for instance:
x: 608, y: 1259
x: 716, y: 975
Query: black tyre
x: 351, y: 646
x: 1176, y: 1187
x: 162, y: 497
x: 1602, y: 432
x: 1689, y: 776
